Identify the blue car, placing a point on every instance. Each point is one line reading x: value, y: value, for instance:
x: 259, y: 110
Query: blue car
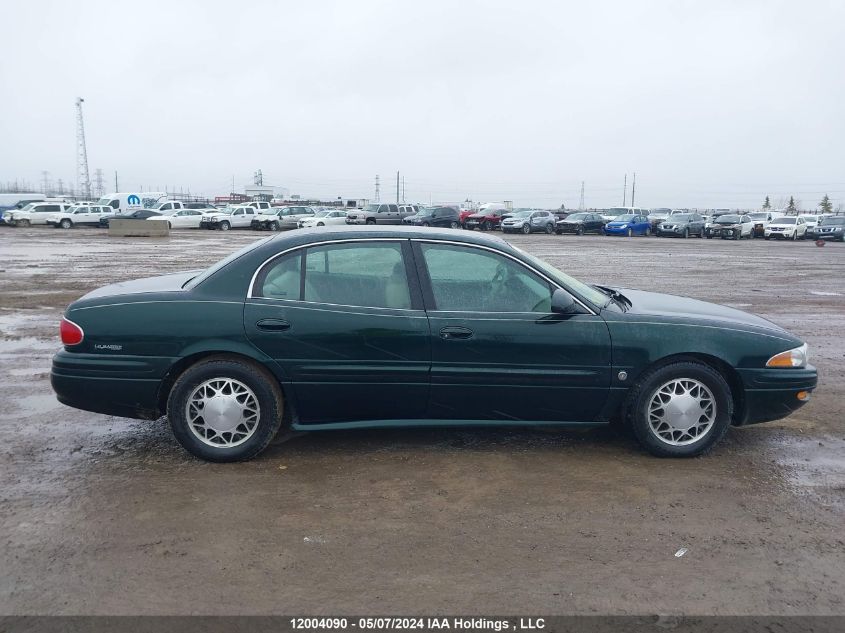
x: 628, y: 225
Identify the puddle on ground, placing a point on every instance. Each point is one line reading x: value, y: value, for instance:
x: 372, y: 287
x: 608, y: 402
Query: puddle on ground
x: 28, y: 406
x: 816, y: 465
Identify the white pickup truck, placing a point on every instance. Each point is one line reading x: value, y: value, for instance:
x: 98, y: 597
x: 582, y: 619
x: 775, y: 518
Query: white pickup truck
x: 238, y: 217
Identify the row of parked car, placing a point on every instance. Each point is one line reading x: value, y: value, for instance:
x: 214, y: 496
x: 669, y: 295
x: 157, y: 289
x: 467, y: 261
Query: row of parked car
x: 624, y: 221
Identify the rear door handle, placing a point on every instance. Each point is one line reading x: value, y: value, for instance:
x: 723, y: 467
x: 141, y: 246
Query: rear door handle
x: 456, y: 332
x: 273, y: 325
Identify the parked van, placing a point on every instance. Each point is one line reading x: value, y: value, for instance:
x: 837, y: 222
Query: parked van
x: 124, y: 203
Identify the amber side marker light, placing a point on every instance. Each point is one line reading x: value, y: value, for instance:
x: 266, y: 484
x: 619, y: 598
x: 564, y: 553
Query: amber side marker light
x: 803, y: 396
x: 70, y: 333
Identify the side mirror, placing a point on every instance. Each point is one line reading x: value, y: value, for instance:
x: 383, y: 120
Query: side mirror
x: 563, y: 302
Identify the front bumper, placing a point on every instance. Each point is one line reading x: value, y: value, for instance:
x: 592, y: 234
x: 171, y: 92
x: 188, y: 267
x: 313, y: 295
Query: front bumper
x: 616, y: 230
x: 676, y: 232
x: 771, y: 394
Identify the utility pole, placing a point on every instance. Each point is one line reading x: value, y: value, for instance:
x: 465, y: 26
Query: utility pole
x: 61, y: 187
x: 82, y: 177
x: 397, y: 187
x: 116, y: 188
x: 581, y: 201
x: 633, y: 188
x: 625, y: 191
x: 45, y: 182
x: 378, y: 187
x: 233, y: 185
x: 403, y: 188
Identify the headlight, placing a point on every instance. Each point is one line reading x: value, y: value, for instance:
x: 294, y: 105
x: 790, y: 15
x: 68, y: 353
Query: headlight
x: 790, y: 358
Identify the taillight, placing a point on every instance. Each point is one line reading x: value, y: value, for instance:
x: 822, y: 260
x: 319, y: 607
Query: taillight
x: 70, y: 333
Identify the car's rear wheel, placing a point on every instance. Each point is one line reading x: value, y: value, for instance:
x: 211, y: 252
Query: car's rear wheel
x: 225, y: 226
x: 225, y: 410
x: 549, y: 229
x: 453, y: 225
x: 321, y: 224
x: 426, y: 224
x: 65, y: 224
x: 680, y: 410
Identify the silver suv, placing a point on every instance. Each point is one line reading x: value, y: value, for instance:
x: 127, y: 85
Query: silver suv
x: 383, y: 213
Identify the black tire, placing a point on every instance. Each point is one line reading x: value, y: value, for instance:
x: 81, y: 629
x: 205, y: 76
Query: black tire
x: 579, y: 230
x: 321, y: 224
x: 637, y: 403
x: 23, y: 223
x: 630, y: 233
x: 65, y: 224
x: 225, y: 226
x: 549, y: 229
x: 169, y: 226
x: 647, y: 232
x: 686, y: 233
x: 709, y: 237
x: 766, y: 237
x: 526, y: 228
x: 426, y: 224
x: 486, y: 225
x: 795, y: 236
x: 371, y: 220
x: 558, y: 232
x: 263, y: 385
x: 454, y: 225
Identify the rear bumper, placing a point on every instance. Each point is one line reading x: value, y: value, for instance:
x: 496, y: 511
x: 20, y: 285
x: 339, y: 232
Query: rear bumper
x: 771, y: 394
x: 125, y: 386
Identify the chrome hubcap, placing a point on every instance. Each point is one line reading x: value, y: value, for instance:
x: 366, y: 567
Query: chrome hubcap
x: 681, y: 411
x: 222, y: 412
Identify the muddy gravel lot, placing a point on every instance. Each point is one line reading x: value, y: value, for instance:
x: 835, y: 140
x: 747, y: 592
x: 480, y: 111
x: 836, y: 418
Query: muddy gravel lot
x: 104, y: 515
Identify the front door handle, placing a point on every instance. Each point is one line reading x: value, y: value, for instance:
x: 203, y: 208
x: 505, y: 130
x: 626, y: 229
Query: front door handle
x: 455, y: 332
x: 273, y: 325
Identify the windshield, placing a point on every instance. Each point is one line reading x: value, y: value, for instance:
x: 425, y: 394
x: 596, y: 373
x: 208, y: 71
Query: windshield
x: 832, y: 222
x: 372, y: 207
x: 321, y: 214
x: 28, y: 207
x: 623, y: 218
x: 759, y: 216
x: 588, y: 292
x: 810, y: 218
x: 226, y: 211
x: 681, y: 217
x: 727, y: 219
x: 783, y: 221
x: 521, y: 214
x: 104, y: 201
x: 618, y: 211
x: 577, y: 216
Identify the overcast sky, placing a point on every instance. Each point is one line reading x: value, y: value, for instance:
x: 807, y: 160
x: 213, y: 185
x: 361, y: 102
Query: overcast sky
x: 710, y: 103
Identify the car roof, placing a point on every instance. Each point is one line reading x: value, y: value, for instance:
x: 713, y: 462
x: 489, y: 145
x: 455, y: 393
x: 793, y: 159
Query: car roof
x: 345, y: 231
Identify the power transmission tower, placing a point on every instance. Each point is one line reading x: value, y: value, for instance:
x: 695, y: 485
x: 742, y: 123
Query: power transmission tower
x: 99, y: 185
x: 259, y: 179
x: 581, y: 201
x: 61, y: 187
x: 378, y: 187
x: 83, y: 180
x: 633, y: 188
x: 45, y: 182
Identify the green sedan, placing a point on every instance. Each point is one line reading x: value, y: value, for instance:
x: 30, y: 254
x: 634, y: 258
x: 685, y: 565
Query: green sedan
x: 362, y: 327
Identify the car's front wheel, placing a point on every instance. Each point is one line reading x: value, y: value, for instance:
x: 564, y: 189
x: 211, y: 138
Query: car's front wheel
x: 225, y: 226
x: 224, y: 410
x: 526, y: 228
x: 454, y: 225
x: 65, y: 224
x: 680, y: 410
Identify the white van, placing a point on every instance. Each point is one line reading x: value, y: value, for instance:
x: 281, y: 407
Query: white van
x: 124, y: 203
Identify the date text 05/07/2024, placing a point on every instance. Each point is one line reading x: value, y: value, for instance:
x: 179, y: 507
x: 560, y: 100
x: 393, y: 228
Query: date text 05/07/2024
x: 417, y: 623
